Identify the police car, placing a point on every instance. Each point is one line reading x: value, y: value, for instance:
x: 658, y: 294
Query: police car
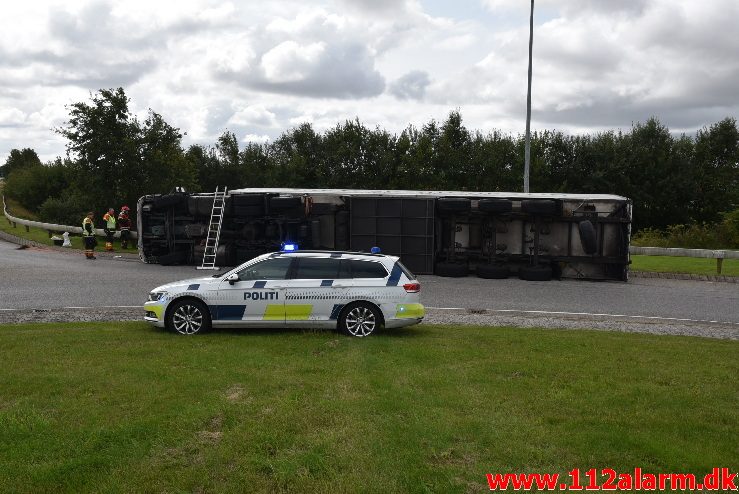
x: 352, y: 291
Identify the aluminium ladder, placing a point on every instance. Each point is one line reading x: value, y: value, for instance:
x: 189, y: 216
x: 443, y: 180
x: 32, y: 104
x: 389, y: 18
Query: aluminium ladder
x: 214, y: 230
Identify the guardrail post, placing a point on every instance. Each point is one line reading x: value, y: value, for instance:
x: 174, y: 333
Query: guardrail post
x: 50, y: 233
x: 27, y: 229
x: 719, y: 255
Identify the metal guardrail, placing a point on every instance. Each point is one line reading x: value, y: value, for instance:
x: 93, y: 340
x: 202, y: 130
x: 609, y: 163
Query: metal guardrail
x: 719, y: 255
x: 51, y: 227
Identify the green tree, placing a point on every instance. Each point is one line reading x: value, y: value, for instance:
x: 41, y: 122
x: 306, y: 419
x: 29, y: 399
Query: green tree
x: 163, y: 162
x: 104, y: 144
x: 717, y: 170
x: 17, y: 159
x: 32, y: 185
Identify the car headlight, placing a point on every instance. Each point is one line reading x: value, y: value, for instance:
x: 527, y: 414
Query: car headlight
x: 156, y: 296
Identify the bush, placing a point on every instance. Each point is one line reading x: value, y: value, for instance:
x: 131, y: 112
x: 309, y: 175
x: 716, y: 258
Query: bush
x: 724, y: 235
x: 730, y: 229
x: 67, y: 210
x: 33, y: 185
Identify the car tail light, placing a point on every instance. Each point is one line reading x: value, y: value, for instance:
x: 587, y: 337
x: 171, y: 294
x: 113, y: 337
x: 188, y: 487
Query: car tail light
x: 412, y: 287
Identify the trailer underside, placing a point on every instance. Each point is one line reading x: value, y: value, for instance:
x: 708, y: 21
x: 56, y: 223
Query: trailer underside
x: 537, y: 236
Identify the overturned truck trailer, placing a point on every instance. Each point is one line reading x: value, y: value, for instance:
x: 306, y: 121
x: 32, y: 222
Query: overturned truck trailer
x: 490, y: 234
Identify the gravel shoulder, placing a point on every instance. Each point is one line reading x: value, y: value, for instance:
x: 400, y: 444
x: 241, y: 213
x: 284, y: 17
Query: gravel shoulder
x: 705, y: 329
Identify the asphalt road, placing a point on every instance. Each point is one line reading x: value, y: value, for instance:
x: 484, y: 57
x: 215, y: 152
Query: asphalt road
x: 43, y: 279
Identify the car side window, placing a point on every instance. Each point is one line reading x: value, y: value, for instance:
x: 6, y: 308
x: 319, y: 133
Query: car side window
x: 269, y: 269
x: 312, y: 268
x: 368, y: 269
x: 345, y: 271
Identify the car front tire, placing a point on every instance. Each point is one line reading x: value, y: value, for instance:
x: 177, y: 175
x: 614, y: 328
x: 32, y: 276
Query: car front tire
x: 188, y: 317
x: 360, y: 320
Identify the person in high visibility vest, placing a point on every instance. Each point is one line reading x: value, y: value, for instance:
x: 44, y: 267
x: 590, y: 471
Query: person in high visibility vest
x: 88, y: 236
x: 124, y: 223
x: 109, y: 227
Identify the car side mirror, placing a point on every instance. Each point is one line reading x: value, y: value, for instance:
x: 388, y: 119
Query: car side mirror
x: 233, y: 278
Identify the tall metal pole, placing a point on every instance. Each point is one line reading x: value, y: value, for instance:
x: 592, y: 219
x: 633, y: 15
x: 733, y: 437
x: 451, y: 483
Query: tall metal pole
x: 527, y: 152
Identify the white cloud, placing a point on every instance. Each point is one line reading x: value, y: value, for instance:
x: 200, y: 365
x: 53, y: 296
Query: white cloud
x: 258, y: 69
x: 254, y: 115
x: 12, y: 117
x: 291, y: 62
x: 411, y: 86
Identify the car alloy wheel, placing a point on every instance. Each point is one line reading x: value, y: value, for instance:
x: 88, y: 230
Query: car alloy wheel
x: 360, y: 321
x: 187, y: 319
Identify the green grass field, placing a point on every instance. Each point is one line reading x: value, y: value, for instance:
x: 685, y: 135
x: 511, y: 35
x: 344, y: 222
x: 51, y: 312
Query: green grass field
x: 36, y: 234
x: 123, y: 407
x: 689, y: 265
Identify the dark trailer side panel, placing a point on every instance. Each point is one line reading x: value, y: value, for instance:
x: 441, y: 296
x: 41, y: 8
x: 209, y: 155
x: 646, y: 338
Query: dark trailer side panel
x: 493, y: 234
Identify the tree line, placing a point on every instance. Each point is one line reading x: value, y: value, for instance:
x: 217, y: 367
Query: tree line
x: 113, y: 159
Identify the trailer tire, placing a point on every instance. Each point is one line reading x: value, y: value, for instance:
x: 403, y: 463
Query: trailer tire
x: 453, y: 204
x: 493, y: 271
x: 498, y: 206
x: 247, y: 200
x: 341, y: 239
x: 192, y: 205
x: 248, y: 211
x: 544, y: 207
x: 450, y: 269
x: 588, y: 237
x: 342, y: 218
x: 535, y: 273
x: 168, y: 201
x: 284, y: 203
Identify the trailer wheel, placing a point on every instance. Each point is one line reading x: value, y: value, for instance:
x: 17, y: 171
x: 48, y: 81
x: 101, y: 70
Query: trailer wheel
x: 248, y: 211
x: 544, y: 207
x: 450, y: 269
x: 498, y: 206
x: 342, y: 218
x: 535, y: 273
x: 284, y: 203
x: 588, y: 237
x: 493, y: 271
x: 248, y: 200
x: 168, y: 201
x: 453, y: 204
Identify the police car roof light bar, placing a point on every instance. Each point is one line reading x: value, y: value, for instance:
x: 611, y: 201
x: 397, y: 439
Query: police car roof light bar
x: 289, y: 247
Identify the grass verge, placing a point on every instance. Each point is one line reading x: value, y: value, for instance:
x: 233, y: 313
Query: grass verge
x: 122, y: 407
x: 688, y: 265
x: 37, y: 234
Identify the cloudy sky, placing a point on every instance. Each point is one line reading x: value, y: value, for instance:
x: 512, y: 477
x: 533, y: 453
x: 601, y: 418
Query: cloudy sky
x: 258, y: 68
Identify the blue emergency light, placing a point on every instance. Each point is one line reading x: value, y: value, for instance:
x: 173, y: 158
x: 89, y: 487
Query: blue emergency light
x: 375, y: 250
x: 289, y: 247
